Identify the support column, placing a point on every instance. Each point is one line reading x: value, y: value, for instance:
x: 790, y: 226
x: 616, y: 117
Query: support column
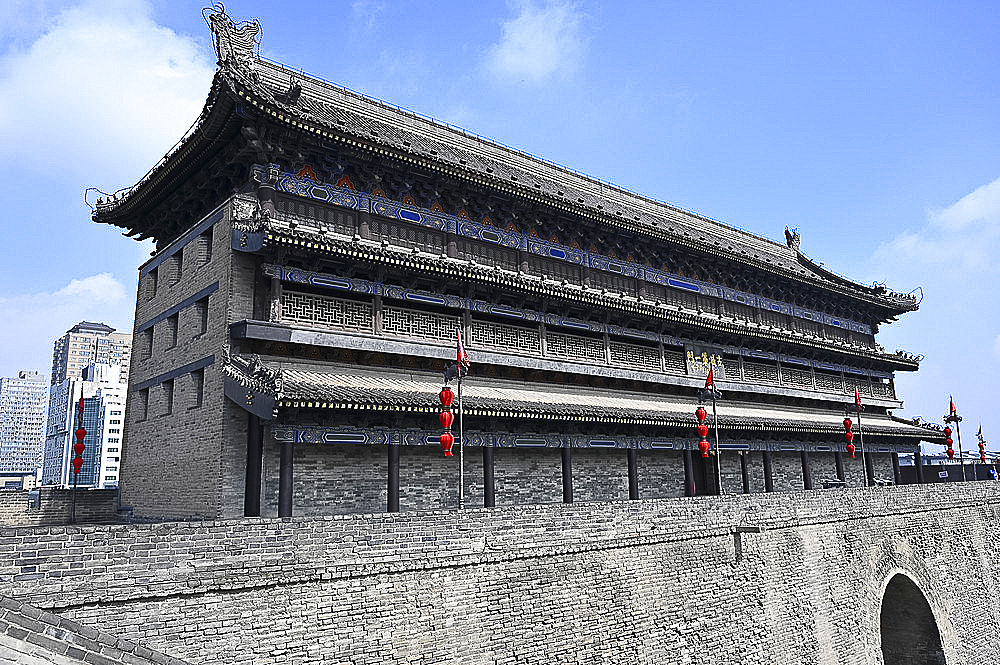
x: 768, y: 472
x: 870, y: 469
x: 918, y: 463
x: 895, y: 468
x: 838, y: 460
x: 745, y: 472
x: 633, y: 473
x: 392, y: 482
x: 285, y: 480
x: 255, y: 453
x: 807, y: 481
x: 689, y: 486
x: 567, y: 474
x: 489, y: 487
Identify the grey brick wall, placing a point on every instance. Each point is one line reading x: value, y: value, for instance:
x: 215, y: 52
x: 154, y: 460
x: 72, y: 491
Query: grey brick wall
x: 55, y: 507
x: 612, y: 582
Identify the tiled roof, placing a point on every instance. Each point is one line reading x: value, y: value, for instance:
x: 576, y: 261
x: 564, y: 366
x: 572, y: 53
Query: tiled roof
x: 344, y: 387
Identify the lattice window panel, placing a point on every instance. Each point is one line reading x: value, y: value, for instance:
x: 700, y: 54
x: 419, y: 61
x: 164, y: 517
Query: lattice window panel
x: 674, y: 362
x: 807, y: 326
x: 739, y: 311
x: 635, y: 356
x: 864, y: 387
x: 867, y: 341
x: 683, y: 299
x: 501, y: 337
x: 762, y: 373
x: 772, y: 318
x: 600, y: 279
x: 425, y: 325
x: 341, y: 221
x: 488, y: 254
x: 574, y: 347
x: 825, y: 381
x: 732, y: 366
x: 553, y: 269
x: 325, y: 312
x: 883, y: 390
x: 708, y: 304
x: 407, y: 235
x: 796, y: 377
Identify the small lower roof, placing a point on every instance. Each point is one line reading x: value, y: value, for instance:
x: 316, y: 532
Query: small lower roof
x: 300, y: 385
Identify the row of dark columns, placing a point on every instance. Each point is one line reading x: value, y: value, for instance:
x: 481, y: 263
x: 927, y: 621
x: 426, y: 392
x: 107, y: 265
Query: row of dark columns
x: 698, y: 473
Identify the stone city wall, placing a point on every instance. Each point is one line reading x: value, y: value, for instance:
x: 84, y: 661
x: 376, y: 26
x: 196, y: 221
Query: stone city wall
x: 679, y: 580
x: 54, y: 507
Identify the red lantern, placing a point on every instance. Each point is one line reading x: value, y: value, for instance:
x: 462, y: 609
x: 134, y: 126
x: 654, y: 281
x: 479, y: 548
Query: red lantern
x: 848, y: 423
x: 948, y: 442
x: 80, y: 433
x: 849, y: 435
x: 78, y: 448
x: 446, y: 396
x: 446, y: 418
x: 982, y: 458
x: 701, y: 414
x: 703, y: 447
x: 447, y: 440
x: 702, y: 430
x: 947, y: 431
x: 850, y: 450
x: 77, y: 463
x: 951, y: 452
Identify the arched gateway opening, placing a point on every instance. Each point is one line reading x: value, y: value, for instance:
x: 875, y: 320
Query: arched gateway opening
x: 909, y: 633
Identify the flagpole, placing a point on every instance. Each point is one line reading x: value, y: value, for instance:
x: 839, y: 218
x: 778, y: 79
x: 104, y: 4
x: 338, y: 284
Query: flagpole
x: 961, y: 455
x: 461, y: 446
x: 718, y: 451
x: 861, y: 445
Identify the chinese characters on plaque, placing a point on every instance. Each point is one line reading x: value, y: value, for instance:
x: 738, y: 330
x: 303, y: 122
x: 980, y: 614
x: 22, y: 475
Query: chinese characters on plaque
x: 701, y: 359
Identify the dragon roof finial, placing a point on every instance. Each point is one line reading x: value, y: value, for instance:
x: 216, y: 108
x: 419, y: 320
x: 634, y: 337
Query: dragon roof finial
x: 235, y: 45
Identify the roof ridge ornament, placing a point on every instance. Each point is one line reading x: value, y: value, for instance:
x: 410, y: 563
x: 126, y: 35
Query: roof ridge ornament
x: 235, y: 45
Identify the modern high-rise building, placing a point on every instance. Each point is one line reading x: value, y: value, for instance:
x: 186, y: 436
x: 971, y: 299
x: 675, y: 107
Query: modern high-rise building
x: 22, y: 422
x: 87, y: 343
x: 103, y: 417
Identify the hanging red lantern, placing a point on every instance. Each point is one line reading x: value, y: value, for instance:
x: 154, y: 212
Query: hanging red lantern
x: 701, y: 414
x: 446, y: 418
x: 850, y: 450
x: 848, y: 423
x: 447, y: 440
x: 447, y: 396
x: 78, y: 448
x: 702, y: 430
x: 703, y: 447
x: 982, y: 458
x: 948, y: 442
x: 80, y: 433
x: 951, y: 452
x: 947, y: 431
x: 849, y: 436
x: 77, y: 463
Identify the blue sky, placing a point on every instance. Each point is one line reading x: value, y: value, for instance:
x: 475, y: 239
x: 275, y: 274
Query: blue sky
x: 873, y: 128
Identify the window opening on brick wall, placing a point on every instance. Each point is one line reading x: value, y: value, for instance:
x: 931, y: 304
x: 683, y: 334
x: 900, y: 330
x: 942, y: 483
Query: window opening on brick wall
x: 142, y: 407
x: 172, y: 322
x: 198, y: 387
x: 151, y: 278
x: 146, y: 343
x: 204, y: 245
x: 176, y: 266
x: 201, y: 315
x: 168, y: 397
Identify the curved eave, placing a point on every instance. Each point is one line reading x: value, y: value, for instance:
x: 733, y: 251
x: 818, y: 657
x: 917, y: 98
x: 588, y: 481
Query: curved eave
x: 894, y: 303
x: 128, y: 211
x: 486, y: 275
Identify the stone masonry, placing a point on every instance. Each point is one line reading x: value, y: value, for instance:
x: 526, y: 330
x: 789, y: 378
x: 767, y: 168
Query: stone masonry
x: 796, y: 577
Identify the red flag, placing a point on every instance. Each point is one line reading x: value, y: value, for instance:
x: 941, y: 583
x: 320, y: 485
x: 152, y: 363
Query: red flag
x: 463, y: 357
x: 951, y: 405
x: 857, y: 398
x: 710, y: 381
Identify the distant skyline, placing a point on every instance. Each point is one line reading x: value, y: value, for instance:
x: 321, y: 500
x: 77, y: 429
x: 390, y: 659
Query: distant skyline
x: 873, y: 130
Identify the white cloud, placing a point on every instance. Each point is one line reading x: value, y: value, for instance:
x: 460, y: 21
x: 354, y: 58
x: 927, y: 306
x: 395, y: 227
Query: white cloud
x: 542, y: 42
x: 103, y: 90
x: 101, y: 288
x: 368, y: 12
x: 32, y: 322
